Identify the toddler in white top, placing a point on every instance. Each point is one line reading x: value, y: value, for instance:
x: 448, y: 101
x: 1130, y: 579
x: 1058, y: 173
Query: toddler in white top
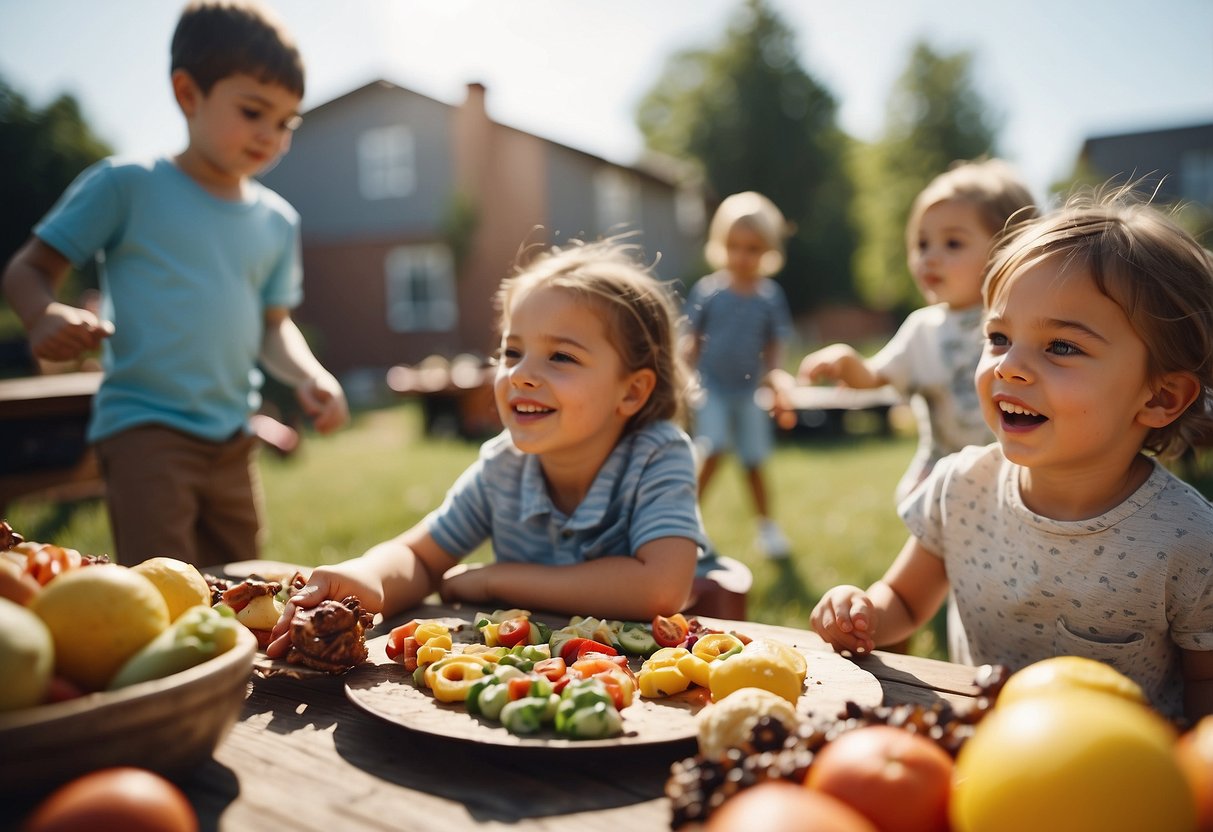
x: 954, y: 224
x: 1068, y: 537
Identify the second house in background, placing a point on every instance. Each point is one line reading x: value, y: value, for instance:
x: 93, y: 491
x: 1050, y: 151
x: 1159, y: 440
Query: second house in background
x: 413, y: 210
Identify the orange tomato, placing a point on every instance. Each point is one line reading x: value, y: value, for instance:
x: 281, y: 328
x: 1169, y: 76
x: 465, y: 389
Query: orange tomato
x: 896, y: 779
x: 127, y: 798
x: 1194, y: 750
x: 777, y: 806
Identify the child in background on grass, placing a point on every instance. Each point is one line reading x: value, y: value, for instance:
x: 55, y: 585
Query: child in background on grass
x: 954, y: 224
x: 1067, y: 536
x: 588, y: 495
x: 201, y: 266
x: 739, y: 323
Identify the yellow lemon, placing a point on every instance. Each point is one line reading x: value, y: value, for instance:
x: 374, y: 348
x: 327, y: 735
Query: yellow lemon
x: 99, y: 616
x: 1073, y: 760
x: 181, y: 584
x: 26, y: 657
x: 1066, y: 673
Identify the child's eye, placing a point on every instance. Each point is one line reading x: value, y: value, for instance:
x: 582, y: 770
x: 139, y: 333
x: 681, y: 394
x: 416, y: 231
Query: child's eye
x: 508, y: 354
x: 997, y: 339
x: 250, y: 114
x: 955, y: 244
x: 563, y: 357
x: 1063, y: 348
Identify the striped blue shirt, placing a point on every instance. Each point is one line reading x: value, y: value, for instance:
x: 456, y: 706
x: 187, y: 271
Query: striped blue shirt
x: 644, y: 491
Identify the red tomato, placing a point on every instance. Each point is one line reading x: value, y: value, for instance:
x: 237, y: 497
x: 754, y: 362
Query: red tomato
x: 407, y: 629
x: 894, y: 778
x: 403, y: 648
x: 575, y: 647
x: 553, y: 668
x: 515, y: 631
x: 591, y: 664
x: 519, y: 687
x: 671, y: 631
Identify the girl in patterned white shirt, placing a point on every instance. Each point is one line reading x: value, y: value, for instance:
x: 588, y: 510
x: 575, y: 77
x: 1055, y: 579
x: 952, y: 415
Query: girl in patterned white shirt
x: 588, y: 496
x: 1067, y: 536
x: 954, y: 225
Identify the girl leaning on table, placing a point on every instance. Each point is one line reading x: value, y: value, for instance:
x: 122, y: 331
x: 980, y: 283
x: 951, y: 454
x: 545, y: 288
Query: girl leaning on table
x: 1067, y: 536
x: 589, y: 494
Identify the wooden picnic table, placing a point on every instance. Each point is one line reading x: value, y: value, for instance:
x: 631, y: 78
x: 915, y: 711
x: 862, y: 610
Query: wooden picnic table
x: 304, y: 756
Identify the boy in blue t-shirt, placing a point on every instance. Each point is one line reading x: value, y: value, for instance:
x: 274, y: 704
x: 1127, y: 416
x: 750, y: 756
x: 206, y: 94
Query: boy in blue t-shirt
x: 201, y: 265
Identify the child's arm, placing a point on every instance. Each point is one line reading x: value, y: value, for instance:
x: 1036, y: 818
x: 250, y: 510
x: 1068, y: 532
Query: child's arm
x: 1198, y: 683
x: 891, y: 610
x: 285, y: 353
x: 657, y: 581
x: 57, y: 331
x: 389, y: 577
x: 840, y: 362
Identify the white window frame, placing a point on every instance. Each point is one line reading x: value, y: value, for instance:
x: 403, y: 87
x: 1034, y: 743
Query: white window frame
x: 420, y: 284
x: 387, y: 162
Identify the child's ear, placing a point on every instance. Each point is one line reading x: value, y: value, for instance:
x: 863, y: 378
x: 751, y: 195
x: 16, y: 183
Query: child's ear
x: 1172, y: 395
x: 640, y: 387
x: 186, y: 91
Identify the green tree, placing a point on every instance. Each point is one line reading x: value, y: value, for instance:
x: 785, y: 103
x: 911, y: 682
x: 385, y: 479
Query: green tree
x: 751, y: 118
x: 43, y: 151
x: 935, y: 116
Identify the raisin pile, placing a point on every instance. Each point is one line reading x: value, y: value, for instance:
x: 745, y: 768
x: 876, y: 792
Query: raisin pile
x: 698, y: 786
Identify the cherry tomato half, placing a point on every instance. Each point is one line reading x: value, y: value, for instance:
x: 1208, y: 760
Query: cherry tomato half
x: 553, y: 668
x: 670, y: 631
x: 514, y: 631
x: 574, y: 647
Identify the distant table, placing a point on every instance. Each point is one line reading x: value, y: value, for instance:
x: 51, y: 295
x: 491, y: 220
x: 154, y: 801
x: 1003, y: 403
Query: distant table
x: 824, y: 409
x: 42, y: 447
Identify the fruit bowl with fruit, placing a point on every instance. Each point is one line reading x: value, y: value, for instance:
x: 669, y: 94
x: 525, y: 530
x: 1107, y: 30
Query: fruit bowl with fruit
x: 105, y: 665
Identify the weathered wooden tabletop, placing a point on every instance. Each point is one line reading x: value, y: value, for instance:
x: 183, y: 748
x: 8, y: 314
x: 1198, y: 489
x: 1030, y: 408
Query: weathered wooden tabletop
x: 304, y: 756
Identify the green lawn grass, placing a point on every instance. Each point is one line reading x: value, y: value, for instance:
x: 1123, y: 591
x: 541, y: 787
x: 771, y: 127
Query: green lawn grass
x: 340, y: 494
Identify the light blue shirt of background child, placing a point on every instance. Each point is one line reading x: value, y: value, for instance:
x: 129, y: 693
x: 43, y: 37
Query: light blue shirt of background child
x: 735, y: 329
x: 186, y: 278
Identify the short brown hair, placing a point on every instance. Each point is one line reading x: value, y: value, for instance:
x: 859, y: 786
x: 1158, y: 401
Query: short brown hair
x: 639, y: 309
x: 1154, y: 270
x: 216, y: 39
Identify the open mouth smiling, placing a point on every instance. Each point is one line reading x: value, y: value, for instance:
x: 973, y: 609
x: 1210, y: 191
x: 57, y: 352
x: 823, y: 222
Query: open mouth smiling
x: 1018, y: 416
x: 529, y: 408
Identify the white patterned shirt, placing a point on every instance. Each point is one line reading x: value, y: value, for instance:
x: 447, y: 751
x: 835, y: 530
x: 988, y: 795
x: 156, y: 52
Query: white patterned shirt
x: 931, y: 360
x: 1131, y: 587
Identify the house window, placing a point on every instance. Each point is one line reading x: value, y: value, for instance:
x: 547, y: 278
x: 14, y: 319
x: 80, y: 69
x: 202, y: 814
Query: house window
x: 387, y: 164
x: 1196, y: 176
x: 421, y: 289
x: 616, y: 199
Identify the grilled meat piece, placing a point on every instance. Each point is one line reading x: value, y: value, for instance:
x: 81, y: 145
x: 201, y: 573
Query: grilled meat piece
x: 330, y: 636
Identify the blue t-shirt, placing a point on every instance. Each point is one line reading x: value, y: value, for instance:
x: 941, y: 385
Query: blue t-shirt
x: 644, y: 491
x: 734, y: 329
x: 186, y: 278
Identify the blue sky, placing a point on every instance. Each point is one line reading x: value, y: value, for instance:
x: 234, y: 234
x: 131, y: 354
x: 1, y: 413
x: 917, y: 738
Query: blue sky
x: 1054, y: 71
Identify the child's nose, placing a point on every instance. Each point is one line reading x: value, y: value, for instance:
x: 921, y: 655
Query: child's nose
x: 522, y: 375
x: 1012, y: 367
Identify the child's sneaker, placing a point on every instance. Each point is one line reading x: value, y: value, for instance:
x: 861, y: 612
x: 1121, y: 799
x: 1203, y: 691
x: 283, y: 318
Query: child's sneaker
x: 772, y: 541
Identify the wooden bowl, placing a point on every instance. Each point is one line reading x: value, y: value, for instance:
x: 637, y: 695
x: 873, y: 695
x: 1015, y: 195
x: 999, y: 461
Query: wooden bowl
x: 168, y: 725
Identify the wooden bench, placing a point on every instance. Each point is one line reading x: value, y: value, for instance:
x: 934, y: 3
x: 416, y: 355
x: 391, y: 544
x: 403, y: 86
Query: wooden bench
x: 42, y: 426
